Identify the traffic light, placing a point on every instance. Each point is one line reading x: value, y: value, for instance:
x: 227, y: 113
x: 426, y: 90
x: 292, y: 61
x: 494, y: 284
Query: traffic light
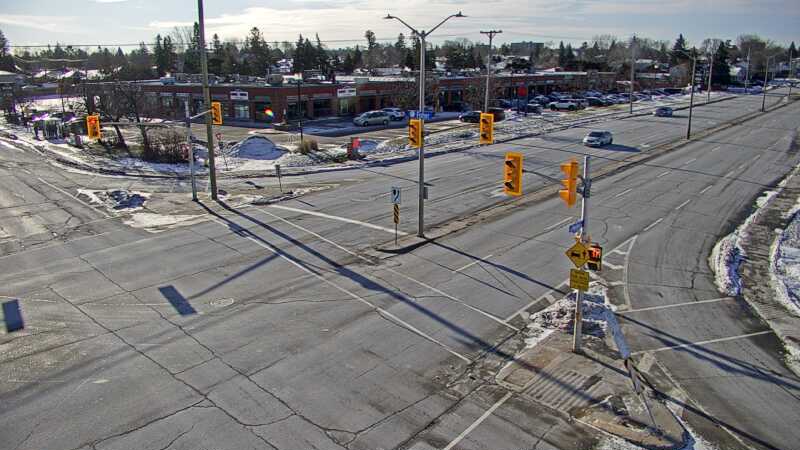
x: 512, y: 174
x: 216, y: 113
x: 570, y: 192
x: 93, y: 126
x: 487, y: 128
x: 415, y: 133
x: 595, y: 261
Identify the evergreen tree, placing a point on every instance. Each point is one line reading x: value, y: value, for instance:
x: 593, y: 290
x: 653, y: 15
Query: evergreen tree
x: 679, y: 51
x: 358, y: 58
x: 321, y: 56
x: 722, y: 71
x: 569, y: 58
x: 298, y: 65
x: 562, y: 54
x: 400, y: 45
x: 792, y: 50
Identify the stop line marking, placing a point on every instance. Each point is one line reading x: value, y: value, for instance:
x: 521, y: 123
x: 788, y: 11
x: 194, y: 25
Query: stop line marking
x: 339, y: 218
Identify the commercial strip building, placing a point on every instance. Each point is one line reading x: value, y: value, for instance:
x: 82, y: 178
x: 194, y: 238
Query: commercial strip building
x: 249, y: 103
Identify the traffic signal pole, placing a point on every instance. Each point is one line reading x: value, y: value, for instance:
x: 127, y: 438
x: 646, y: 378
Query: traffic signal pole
x: 584, y: 237
x: 491, y: 35
x: 212, y: 172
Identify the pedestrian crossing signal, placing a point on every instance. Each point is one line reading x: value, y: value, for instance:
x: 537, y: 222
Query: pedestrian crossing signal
x: 93, y: 126
x: 512, y: 174
x: 216, y: 113
x: 595, y: 261
x: 415, y: 133
x: 487, y: 128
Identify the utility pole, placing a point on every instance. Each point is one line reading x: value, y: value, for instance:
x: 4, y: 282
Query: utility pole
x: 300, y: 110
x: 212, y: 172
x: 710, y: 73
x: 584, y: 238
x: 633, y: 69
x: 764, y: 93
x: 691, y: 98
x: 747, y: 74
x: 190, y: 148
x: 421, y: 152
x: 491, y: 35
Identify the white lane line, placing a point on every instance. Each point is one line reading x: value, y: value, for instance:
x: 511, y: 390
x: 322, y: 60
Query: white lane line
x: 75, y: 197
x: 706, y: 189
x: 729, y: 174
x: 653, y: 224
x: 699, y: 343
x: 477, y: 422
x: 682, y: 204
x: 663, y: 174
x: 677, y: 305
x: 623, y: 192
x: 340, y: 219
x: 755, y: 157
x: 690, y: 161
x: 473, y: 263
x: 556, y: 225
x: 352, y: 295
x: 715, y: 149
x: 389, y: 269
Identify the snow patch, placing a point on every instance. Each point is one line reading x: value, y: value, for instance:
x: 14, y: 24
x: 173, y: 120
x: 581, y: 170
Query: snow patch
x: 728, y: 254
x: 154, y: 223
x: 117, y: 199
x: 785, y: 266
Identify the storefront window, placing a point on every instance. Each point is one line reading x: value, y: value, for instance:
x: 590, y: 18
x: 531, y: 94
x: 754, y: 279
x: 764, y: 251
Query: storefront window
x: 347, y: 106
x: 241, y: 111
x: 322, y: 108
x: 262, y: 112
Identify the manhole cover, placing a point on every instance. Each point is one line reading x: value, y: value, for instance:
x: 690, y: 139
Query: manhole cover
x: 222, y: 302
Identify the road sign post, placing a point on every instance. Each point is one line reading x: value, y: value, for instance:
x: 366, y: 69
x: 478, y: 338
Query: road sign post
x: 396, y: 199
x: 278, y: 174
x: 190, y: 149
x: 582, y: 239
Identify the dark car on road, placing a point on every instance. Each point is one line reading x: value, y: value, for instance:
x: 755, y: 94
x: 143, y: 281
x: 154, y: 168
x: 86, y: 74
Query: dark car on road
x: 664, y: 111
x: 470, y: 117
x: 498, y: 113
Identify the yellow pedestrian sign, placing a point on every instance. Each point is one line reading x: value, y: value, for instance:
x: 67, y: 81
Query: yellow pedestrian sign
x: 578, y: 254
x: 579, y: 279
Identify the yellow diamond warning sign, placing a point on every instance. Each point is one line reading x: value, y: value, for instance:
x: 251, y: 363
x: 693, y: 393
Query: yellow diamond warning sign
x: 578, y: 254
x: 579, y: 279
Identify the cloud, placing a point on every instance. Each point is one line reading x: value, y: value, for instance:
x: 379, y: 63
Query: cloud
x: 46, y: 23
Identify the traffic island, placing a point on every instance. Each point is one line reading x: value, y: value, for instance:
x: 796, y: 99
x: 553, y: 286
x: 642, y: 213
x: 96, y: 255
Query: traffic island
x: 593, y: 388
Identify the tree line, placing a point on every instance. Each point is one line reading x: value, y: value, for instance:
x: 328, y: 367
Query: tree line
x: 253, y: 55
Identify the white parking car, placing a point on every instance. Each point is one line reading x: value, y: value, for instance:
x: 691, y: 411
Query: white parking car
x: 598, y: 139
x: 395, y: 113
x: 563, y: 104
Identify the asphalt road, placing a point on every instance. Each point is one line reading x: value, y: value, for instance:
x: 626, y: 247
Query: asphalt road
x: 265, y: 327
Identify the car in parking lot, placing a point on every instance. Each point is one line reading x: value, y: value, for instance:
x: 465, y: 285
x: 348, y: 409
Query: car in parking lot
x: 470, y: 117
x: 541, y: 99
x: 595, y: 101
x: 498, y: 113
x: 568, y: 104
x: 664, y: 111
x: 598, y: 138
x: 395, y: 113
x: 533, y: 108
x: 372, y: 118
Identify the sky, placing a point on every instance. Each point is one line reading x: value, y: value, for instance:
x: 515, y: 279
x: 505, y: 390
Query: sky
x: 341, y: 23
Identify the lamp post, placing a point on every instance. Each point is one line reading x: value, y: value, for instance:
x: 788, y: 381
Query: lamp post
x: 300, y: 110
x: 212, y: 171
x: 422, y: 35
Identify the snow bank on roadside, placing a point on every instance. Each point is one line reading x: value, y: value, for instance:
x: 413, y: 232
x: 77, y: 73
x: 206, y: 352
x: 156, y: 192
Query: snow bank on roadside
x: 785, y: 264
x: 258, y: 148
x: 118, y: 199
x: 728, y: 254
x: 155, y: 223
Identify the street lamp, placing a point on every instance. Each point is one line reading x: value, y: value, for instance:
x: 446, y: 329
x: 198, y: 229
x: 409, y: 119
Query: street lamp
x: 422, y: 35
x: 299, y: 81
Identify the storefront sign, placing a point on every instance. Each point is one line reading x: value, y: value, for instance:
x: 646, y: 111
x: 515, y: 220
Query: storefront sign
x: 239, y: 95
x: 346, y: 92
